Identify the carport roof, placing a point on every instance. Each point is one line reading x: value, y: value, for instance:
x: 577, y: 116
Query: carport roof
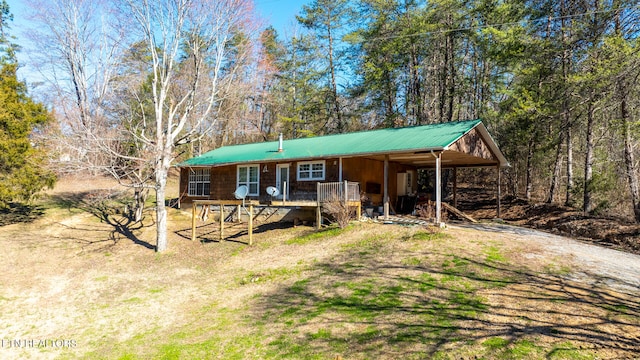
x: 413, y: 145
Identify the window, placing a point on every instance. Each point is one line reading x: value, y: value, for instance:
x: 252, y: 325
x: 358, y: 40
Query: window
x: 199, y: 182
x: 249, y: 175
x: 312, y: 170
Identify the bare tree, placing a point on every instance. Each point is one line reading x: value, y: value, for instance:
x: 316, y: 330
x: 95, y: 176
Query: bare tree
x: 171, y: 30
x: 75, y: 55
x: 79, y: 50
x: 132, y: 121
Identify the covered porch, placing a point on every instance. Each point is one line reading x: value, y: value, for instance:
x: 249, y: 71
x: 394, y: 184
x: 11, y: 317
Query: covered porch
x: 475, y: 149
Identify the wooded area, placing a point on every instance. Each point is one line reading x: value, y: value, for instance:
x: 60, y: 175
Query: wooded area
x: 135, y: 85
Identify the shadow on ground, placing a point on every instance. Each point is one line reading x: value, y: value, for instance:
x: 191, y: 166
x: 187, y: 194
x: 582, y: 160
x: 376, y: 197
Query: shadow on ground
x: 233, y: 231
x: 20, y: 213
x: 387, y: 302
x: 108, y: 207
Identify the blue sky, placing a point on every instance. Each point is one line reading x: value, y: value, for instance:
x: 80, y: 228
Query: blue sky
x: 279, y: 13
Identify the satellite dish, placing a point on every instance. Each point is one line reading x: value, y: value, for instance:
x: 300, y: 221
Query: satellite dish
x: 241, y: 192
x: 273, y: 191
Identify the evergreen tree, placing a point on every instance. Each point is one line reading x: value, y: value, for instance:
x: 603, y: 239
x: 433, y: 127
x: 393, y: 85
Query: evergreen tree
x: 22, y: 173
x: 327, y: 21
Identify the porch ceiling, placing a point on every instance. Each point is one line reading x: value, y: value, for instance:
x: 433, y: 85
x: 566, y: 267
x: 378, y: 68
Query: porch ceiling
x: 427, y: 159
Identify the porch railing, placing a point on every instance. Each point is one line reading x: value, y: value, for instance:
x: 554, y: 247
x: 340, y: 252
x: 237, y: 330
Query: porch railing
x: 343, y: 191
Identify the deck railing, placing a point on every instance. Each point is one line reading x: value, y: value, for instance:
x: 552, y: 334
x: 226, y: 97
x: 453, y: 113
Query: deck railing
x: 343, y: 191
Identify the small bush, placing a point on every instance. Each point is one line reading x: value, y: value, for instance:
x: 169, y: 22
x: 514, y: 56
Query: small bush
x: 339, y: 211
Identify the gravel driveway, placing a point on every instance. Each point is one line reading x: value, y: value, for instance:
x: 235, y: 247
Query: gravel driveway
x: 613, y: 267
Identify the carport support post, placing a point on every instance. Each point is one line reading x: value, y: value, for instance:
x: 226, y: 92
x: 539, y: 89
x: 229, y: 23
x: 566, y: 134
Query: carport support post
x: 498, y: 193
x: 455, y: 187
x: 386, y: 187
x: 438, y: 190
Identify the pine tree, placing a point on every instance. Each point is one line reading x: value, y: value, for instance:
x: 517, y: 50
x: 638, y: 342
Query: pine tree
x: 22, y: 173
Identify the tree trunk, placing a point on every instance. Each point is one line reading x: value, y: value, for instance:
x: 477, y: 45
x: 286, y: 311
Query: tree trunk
x: 442, y: 87
x: 161, y: 217
x: 629, y: 160
x: 566, y: 106
x: 568, y: 138
x: 140, y: 197
x: 334, y: 88
x: 451, y: 87
x: 415, y: 96
x: 529, y: 175
x: 162, y: 171
x: 588, y: 163
x: 555, y: 179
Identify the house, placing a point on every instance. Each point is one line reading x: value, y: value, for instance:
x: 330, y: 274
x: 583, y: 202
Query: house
x: 383, y: 162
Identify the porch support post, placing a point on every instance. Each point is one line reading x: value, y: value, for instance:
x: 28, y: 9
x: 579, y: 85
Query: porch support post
x: 318, y: 208
x: 498, y: 193
x: 438, y: 190
x: 239, y: 213
x: 193, y: 221
x: 386, y: 187
x: 221, y: 222
x: 284, y: 192
x: 340, y: 169
x: 455, y: 187
x: 346, y: 193
x: 250, y: 224
x: 180, y: 188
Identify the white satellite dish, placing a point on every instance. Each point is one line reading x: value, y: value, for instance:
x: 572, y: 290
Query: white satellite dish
x: 273, y: 191
x: 241, y: 192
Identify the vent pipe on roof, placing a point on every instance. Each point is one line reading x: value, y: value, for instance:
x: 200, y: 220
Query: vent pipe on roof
x: 280, y: 143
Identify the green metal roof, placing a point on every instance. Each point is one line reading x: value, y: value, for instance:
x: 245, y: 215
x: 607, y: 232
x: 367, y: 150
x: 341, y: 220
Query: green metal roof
x: 414, y: 138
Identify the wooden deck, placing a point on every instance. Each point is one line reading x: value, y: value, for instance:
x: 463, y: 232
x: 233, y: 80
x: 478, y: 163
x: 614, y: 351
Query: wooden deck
x: 250, y: 204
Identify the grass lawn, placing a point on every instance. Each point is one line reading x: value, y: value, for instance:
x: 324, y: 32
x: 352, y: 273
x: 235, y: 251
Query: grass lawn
x: 371, y: 291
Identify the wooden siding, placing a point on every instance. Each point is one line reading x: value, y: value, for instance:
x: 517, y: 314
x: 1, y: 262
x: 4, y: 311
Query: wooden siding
x: 361, y: 170
x: 473, y: 144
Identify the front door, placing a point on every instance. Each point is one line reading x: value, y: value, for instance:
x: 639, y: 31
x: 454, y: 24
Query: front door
x: 282, y: 179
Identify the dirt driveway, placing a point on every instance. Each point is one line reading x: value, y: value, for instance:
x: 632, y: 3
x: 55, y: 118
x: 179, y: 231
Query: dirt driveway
x: 614, y: 268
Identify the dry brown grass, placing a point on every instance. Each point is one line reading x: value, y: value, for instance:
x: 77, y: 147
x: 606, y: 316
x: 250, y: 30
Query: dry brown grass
x: 369, y: 291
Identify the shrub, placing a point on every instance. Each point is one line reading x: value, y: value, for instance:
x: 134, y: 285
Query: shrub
x: 339, y: 211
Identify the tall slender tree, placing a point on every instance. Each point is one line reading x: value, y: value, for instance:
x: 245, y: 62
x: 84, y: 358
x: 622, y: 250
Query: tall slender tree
x: 327, y: 19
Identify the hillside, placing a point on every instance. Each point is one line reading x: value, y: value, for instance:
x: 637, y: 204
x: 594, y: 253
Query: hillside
x: 607, y: 231
x: 370, y: 291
